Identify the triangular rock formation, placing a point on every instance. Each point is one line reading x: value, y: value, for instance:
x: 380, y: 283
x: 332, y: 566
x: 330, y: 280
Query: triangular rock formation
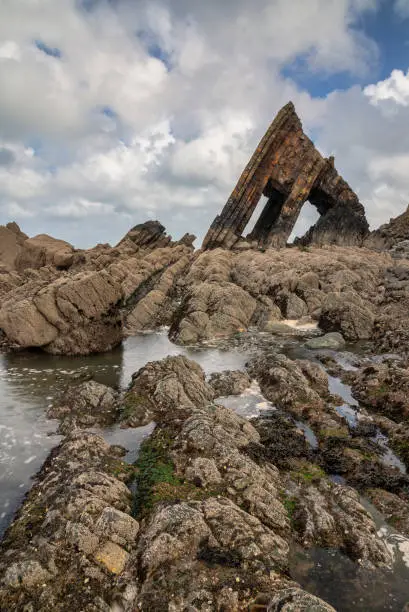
x: 287, y: 168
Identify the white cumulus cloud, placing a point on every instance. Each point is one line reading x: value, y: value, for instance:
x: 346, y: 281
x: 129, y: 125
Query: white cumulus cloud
x: 152, y: 108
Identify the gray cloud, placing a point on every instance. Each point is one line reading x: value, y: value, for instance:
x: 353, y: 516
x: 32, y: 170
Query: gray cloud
x: 6, y: 157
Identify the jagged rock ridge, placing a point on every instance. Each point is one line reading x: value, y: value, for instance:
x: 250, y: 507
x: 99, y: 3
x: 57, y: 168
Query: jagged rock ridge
x: 287, y: 168
x: 390, y: 235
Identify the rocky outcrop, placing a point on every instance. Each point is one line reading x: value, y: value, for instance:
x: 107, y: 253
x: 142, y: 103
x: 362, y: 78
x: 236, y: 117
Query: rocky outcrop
x: 44, y: 250
x: 384, y: 387
x: 89, y: 309
x: 287, y: 168
x: 229, y: 382
x: 212, y: 513
x: 18, y: 252
x: 151, y: 234
x: 347, y: 313
x: 300, y: 388
x: 71, y: 540
x: 390, y: 234
x: 226, y: 292
x: 213, y: 530
x: 165, y: 389
x: 87, y: 404
x: 213, y: 516
x: 11, y: 244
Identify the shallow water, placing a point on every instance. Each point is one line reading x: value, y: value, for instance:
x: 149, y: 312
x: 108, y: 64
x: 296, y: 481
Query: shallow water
x: 29, y: 382
x: 346, y: 585
x: 249, y: 404
x: 360, y: 589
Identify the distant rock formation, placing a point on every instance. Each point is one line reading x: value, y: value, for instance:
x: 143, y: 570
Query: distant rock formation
x: 18, y: 252
x: 80, y: 302
x: 389, y: 235
x: 44, y: 250
x: 11, y: 243
x: 150, y: 234
x: 287, y: 168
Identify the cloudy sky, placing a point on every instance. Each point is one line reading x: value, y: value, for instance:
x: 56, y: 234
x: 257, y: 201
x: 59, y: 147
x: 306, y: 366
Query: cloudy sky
x: 116, y: 111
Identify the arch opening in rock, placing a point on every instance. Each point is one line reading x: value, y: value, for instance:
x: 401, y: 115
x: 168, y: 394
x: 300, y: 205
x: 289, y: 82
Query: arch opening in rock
x: 287, y: 169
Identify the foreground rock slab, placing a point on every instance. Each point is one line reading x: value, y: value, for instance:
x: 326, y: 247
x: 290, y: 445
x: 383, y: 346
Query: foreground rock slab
x: 73, y: 536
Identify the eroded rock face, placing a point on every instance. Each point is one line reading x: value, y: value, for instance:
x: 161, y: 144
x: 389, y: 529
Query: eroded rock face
x: 11, y: 243
x: 106, y: 294
x: 347, y: 312
x: 44, y: 250
x: 226, y: 292
x: 287, y: 168
x: 390, y: 234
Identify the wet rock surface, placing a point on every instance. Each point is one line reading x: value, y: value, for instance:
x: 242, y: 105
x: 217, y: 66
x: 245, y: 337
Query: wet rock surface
x: 333, y: 340
x: 218, y: 501
x: 85, y: 405
x: 229, y: 382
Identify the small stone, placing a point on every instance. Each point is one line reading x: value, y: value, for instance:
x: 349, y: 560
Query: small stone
x: 25, y: 574
x: 113, y: 522
x: 333, y: 340
x: 113, y: 557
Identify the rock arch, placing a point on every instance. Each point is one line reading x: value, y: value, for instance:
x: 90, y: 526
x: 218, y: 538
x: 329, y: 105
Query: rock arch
x: 287, y: 168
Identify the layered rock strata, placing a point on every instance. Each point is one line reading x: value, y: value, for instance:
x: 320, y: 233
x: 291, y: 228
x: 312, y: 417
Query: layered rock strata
x: 106, y: 294
x: 287, y: 168
x: 342, y: 289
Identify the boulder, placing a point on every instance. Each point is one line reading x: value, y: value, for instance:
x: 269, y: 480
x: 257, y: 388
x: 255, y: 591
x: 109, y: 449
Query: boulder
x: 44, y: 250
x: 297, y: 600
x: 333, y: 340
x: 164, y: 390
x: 348, y: 314
x: 85, y: 405
x: 229, y: 382
x: 12, y: 240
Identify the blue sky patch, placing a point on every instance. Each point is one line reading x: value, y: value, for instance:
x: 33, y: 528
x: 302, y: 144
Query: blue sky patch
x: 153, y: 47
x: 51, y: 51
x: 109, y: 112
x: 390, y: 33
